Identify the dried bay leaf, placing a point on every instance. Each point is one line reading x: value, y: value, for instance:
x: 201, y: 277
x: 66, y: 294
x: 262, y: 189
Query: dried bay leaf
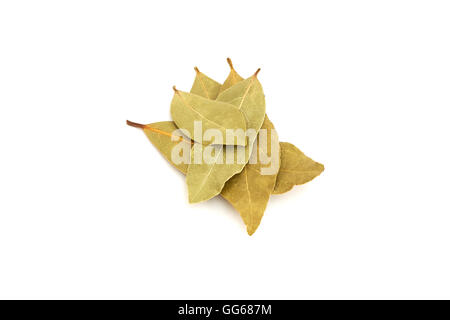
x: 295, y: 169
x: 161, y: 135
x: 206, y: 180
x: 186, y: 108
x: 248, y: 96
x: 249, y: 191
x: 204, y: 86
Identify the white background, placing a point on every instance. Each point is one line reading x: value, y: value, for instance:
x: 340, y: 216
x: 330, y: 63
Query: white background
x: 89, y: 209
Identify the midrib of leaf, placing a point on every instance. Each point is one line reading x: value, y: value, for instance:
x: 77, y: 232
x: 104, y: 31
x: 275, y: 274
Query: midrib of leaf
x: 249, y: 196
x: 209, y: 120
x: 234, y: 77
x: 246, y: 92
x: 299, y: 171
x: 295, y: 171
x: 254, y: 169
x: 167, y: 134
x: 209, y: 173
x: 204, y: 86
x: 295, y: 153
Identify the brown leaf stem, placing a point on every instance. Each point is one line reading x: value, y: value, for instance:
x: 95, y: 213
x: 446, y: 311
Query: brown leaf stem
x: 148, y: 127
x: 230, y: 63
x: 136, y: 125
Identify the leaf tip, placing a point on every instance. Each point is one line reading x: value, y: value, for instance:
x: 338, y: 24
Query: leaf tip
x: 256, y: 73
x: 251, y: 231
x: 175, y: 89
x: 321, y: 168
x: 196, y: 70
x: 191, y: 200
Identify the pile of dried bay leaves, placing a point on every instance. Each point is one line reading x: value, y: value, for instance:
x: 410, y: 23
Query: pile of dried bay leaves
x: 239, y: 105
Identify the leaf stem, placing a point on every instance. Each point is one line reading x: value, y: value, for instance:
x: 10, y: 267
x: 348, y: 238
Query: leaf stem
x: 230, y: 63
x: 135, y: 124
x: 147, y: 127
